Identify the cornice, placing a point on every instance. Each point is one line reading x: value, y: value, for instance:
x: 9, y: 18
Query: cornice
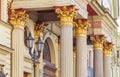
x: 5, y: 50
x: 95, y: 5
x: 28, y: 59
x: 5, y: 24
x: 49, y: 4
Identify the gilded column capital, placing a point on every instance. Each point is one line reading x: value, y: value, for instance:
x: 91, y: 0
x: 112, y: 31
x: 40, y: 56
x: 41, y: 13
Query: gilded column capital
x: 66, y: 14
x: 17, y: 17
x: 107, y: 47
x: 97, y: 41
x: 39, y: 29
x: 81, y: 26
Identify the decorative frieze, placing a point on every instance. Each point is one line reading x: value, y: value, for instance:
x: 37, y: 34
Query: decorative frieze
x: 81, y: 27
x: 66, y: 14
x: 107, y: 46
x: 17, y: 17
x: 98, y: 41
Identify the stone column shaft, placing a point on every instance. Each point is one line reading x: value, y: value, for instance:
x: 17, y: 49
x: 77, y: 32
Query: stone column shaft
x: 98, y: 54
x: 66, y: 15
x: 66, y: 51
x: 17, y: 19
x: 98, y: 63
x: 107, y: 46
x: 18, y: 55
x: 81, y: 57
x: 81, y: 46
x: 107, y: 66
x: 91, y: 59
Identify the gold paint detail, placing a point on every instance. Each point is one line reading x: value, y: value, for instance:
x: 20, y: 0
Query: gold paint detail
x: 39, y: 29
x: 66, y: 14
x: 81, y: 27
x: 107, y: 47
x: 18, y: 17
x: 97, y: 41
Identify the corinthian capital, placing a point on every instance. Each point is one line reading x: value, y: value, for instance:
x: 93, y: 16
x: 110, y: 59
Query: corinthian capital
x: 66, y: 14
x: 81, y: 27
x: 97, y: 41
x: 107, y: 46
x: 17, y: 17
x: 39, y: 29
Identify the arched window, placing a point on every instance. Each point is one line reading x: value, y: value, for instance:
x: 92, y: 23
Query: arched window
x: 46, y: 52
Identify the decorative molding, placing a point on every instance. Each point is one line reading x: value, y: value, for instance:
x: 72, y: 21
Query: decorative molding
x: 107, y: 47
x: 66, y: 14
x: 5, y: 50
x: 17, y: 17
x: 39, y: 29
x: 81, y: 27
x: 97, y: 41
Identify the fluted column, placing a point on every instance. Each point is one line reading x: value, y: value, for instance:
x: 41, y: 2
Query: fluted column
x: 98, y: 54
x: 107, y: 46
x: 17, y: 19
x: 66, y: 15
x: 81, y: 46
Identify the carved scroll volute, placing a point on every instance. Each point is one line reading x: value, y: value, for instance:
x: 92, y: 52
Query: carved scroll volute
x: 66, y: 14
x: 18, y: 17
x: 107, y: 47
x: 97, y: 41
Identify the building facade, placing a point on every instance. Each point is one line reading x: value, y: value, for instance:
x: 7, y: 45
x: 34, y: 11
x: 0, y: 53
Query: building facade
x: 80, y: 38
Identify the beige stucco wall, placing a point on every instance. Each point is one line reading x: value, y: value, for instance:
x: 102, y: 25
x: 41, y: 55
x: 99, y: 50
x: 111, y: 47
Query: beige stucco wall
x: 5, y: 47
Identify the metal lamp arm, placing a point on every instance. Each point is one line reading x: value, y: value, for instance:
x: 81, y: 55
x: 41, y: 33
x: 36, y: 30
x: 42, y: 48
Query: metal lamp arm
x: 30, y: 49
x: 38, y: 56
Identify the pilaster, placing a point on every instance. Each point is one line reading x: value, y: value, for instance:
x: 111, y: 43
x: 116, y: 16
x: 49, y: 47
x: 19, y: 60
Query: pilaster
x: 17, y: 18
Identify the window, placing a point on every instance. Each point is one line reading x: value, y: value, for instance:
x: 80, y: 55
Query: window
x: 46, y: 52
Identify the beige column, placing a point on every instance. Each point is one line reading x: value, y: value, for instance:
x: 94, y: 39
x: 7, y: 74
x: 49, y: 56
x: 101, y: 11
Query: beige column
x: 74, y: 64
x: 17, y: 19
x: 91, y: 59
x: 66, y: 15
x: 81, y: 46
x: 107, y: 46
x: 98, y: 54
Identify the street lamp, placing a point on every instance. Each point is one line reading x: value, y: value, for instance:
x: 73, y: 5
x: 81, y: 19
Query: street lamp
x: 39, y: 47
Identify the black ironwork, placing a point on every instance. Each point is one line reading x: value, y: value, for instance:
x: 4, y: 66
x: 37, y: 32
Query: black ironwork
x: 39, y: 47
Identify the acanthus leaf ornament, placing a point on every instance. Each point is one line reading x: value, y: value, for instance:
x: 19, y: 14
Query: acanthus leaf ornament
x: 98, y: 41
x: 107, y: 47
x: 18, y: 17
x: 39, y: 29
x: 81, y: 26
x: 66, y: 14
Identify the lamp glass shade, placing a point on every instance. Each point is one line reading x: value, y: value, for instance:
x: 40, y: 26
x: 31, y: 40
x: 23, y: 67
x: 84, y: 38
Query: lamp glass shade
x: 39, y: 44
x: 30, y: 41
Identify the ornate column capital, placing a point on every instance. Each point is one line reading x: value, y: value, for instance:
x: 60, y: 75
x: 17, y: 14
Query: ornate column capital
x: 39, y: 29
x: 17, y: 17
x: 66, y: 14
x: 81, y: 26
x: 107, y: 46
x: 97, y: 41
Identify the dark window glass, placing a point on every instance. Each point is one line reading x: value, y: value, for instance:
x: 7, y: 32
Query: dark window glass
x: 46, y: 52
